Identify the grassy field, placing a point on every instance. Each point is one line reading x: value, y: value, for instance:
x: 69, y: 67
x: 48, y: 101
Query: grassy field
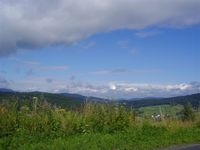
x: 145, y: 137
x: 167, y: 110
x: 40, y: 126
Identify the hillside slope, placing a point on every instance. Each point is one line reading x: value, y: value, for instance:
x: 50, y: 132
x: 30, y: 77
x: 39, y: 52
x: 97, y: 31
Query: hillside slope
x: 73, y: 100
x: 194, y: 99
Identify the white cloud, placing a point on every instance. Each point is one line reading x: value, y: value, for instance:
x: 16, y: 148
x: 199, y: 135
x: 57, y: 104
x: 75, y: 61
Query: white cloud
x: 29, y: 72
x: 144, y: 34
x: 107, y: 90
x: 4, y: 83
x: 36, y: 65
x: 179, y: 87
x: 112, y: 71
x: 88, y: 45
x: 124, y: 43
x: 134, y: 51
x: 38, y: 84
x: 58, y: 67
x: 49, y: 80
x: 25, y: 62
x: 29, y: 24
x: 29, y: 62
x: 113, y: 87
x: 123, y: 71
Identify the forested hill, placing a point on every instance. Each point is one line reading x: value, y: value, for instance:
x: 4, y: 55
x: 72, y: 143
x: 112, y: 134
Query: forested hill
x: 194, y: 99
x: 54, y: 99
x: 74, y: 100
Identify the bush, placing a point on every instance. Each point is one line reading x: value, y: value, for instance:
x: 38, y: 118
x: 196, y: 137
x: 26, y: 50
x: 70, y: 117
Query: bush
x: 54, y: 121
x: 188, y: 113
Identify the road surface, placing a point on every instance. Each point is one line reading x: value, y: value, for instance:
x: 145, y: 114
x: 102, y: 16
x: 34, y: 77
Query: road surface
x: 188, y: 147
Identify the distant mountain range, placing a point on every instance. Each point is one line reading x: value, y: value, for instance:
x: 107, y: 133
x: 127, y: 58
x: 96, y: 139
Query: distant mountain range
x: 81, y: 97
x: 194, y: 99
x: 73, y: 100
x: 5, y: 90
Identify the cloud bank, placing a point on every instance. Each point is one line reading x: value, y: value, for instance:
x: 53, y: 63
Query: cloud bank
x: 109, y: 89
x: 30, y: 24
x: 133, y: 90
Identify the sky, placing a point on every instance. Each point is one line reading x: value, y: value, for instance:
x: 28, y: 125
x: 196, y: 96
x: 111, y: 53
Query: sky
x: 104, y: 48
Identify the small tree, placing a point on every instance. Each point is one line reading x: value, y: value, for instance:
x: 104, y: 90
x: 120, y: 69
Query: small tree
x: 188, y: 112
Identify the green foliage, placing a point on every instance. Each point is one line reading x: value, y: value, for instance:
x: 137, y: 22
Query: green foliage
x: 188, y: 112
x: 194, y: 99
x: 145, y: 137
x: 38, y: 125
x: 65, y: 100
x: 42, y: 118
x: 28, y: 97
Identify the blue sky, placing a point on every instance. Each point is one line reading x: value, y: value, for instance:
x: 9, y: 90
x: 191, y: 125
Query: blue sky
x: 122, y: 60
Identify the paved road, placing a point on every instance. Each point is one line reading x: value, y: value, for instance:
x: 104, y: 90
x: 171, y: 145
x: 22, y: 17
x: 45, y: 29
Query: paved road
x: 189, y: 147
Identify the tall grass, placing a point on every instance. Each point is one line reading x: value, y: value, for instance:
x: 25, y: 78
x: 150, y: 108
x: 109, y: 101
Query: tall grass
x: 43, y: 118
x: 36, y: 121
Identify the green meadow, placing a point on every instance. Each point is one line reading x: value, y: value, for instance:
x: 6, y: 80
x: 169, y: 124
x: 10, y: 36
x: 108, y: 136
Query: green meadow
x: 172, y: 111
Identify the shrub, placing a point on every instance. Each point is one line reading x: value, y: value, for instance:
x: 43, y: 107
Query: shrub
x: 53, y: 121
x: 188, y: 113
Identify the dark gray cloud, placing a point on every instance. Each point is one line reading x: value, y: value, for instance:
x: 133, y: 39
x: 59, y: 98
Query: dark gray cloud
x: 29, y: 24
